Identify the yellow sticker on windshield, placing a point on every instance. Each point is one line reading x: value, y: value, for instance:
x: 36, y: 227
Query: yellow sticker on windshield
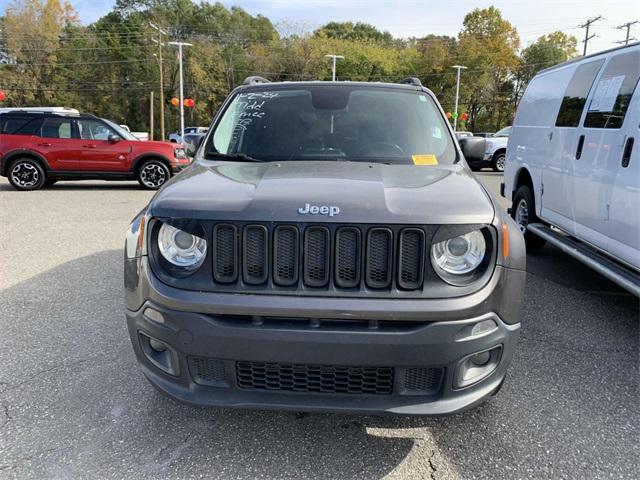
x: 424, y: 159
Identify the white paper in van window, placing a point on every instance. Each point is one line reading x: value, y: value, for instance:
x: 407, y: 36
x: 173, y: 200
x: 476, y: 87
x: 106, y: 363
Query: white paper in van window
x: 604, y: 98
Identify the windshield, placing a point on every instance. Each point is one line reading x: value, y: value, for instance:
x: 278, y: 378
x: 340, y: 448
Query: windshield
x: 334, y: 123
x: 120, y: 131
x: 503, y: 133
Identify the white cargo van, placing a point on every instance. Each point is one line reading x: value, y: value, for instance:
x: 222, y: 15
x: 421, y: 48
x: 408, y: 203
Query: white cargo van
x: 572, y: 171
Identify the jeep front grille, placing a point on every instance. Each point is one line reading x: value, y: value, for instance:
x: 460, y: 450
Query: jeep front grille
x: 315, y: 257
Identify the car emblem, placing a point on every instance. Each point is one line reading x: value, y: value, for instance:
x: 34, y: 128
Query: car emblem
x: 309, y: 209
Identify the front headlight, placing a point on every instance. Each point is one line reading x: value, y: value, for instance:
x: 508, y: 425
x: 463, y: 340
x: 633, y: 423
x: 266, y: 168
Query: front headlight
x: 181, y: 248
x: 180, y: 153
x: 459, y: 256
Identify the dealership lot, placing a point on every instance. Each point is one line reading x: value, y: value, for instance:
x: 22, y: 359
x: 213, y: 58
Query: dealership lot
x: 73, y: 403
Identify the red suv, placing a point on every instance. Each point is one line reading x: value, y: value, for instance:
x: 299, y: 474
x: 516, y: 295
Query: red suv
x: 39, y: 148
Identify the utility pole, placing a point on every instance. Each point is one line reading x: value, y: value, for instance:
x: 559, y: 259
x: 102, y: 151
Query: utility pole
x: 455, y: 116
x: 588, y: 37
x: 151, y: 115
x: 628, y: 26
x: 159, y: 58
x: 180, y: 45
x: 333, y: 68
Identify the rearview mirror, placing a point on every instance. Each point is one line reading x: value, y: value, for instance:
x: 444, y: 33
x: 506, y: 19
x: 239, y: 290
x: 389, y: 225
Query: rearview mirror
x: 113, y: 138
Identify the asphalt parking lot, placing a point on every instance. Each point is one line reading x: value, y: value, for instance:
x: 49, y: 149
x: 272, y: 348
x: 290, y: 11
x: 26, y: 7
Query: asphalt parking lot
x: 73, y: 403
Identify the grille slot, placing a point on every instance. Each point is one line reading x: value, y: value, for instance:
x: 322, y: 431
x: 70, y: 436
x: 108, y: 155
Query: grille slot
x: 379, y: 257
x: 255, y: 254
x: 423, y: 380
x: 316, y: 256
x: 206, y: 371
x: 411, y: 258
x: 314, y: 378
x: 285, y: 255
x: 225, y: 253
x: 347, y: 257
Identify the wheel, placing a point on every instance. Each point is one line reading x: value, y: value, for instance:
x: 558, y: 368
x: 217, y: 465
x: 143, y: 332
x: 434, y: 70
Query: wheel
x: 152, y: 174
x: 523, y: 212
x: 498, y: 162
x: 26, y: 174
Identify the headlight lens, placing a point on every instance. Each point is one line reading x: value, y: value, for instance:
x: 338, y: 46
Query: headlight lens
x: 180, y: 153
x: 459, y: 255
x: 181, y: 248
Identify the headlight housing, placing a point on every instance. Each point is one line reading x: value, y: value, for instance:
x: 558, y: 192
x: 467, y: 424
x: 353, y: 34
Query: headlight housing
x: 180, y: 153
x: 181, y: 249
x: 457, y: 260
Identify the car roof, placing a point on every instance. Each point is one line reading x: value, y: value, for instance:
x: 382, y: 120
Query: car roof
x: 591, y: 55
x: 33, y: 113
x: 261, y: 86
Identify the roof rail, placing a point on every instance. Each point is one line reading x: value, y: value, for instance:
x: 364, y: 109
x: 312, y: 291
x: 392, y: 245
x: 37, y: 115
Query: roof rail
x: 255, y: 79
x: 411, y: 81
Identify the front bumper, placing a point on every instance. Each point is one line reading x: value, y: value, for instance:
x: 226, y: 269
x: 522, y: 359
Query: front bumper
x: 213, y: 327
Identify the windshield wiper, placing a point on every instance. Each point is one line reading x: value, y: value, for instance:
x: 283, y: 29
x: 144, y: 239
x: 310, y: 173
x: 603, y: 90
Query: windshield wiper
x: 243, y: 157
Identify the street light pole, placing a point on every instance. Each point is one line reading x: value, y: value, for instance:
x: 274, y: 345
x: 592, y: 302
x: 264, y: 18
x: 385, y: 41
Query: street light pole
x: 333, y: 68
x: 180, y: 45
x: 455, y: 117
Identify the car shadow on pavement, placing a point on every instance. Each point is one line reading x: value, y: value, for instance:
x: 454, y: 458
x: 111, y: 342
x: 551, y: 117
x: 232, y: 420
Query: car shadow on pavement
x: 79, y: 185
x: 73, y: 403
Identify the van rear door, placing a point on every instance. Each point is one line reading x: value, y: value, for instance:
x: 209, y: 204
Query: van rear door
x: 608, y: 126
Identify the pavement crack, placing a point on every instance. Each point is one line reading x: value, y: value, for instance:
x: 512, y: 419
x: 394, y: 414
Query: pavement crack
x: 4, y: 409
x: 41, y: 373
x: 432, y: 465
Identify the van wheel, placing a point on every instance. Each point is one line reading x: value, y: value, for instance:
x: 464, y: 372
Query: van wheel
x: 152, y: 174
x: 26, y: 174
x: 523, y: 212
x: 498, y: 162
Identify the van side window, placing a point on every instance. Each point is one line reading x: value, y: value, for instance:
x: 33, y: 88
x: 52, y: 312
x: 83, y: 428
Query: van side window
x: 612, y: 95
x: 576, y: 94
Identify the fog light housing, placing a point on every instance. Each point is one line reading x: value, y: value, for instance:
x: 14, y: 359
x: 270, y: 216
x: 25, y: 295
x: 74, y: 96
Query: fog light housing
x: 159, y: 354
x: 476, y: 367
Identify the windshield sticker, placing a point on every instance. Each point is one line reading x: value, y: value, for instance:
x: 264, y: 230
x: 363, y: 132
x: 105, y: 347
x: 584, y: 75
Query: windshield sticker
x: 422, y: 98
x: 604, y: 98
x: 424, y: 159
x: 436, y: 132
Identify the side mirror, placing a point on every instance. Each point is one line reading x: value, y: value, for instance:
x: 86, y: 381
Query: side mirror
x: 113, y: 138
x: 192, y: 147
x: 472, y: 147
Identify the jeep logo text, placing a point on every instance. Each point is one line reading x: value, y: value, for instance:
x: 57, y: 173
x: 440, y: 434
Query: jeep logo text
x: 319, y: 209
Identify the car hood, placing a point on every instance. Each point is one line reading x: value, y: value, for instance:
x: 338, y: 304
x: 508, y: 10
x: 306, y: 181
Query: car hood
x: 160, y: 144
x: 363, y: 193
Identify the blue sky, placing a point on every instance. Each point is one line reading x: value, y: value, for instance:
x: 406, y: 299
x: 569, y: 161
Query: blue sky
x: 417, y: 18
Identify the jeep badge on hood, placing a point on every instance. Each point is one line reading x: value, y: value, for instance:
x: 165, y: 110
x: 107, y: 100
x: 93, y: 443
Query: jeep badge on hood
x: 330, y: 210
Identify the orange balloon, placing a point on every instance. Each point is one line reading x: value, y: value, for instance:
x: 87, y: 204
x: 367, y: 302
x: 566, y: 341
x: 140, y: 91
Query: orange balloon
x: 189, y: 102
x: 448, y: 114
x: 3, y: 96
x: 175, y: 102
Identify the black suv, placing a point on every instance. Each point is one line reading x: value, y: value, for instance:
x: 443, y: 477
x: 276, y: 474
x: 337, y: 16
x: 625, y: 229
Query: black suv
x: 329, y: 249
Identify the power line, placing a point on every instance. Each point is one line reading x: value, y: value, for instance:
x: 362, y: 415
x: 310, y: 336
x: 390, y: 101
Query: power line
x: 588, y: 37
x: 628, y: 28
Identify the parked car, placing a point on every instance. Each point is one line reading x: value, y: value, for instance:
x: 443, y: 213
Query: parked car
x: 573, y: 169
x: 484, y: 134
x: 488, y: 151
x: 328, y: 250
x: 42, y: 147
x: 459, y: 134
x: 175, y: 137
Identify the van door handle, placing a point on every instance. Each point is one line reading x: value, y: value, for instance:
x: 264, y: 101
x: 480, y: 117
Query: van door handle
x: 90, y: 146
x: 626, y: 154
x: 579, y: 149
x: 44, y: 144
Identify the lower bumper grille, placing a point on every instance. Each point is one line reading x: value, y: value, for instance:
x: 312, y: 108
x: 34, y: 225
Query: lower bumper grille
x: 314, y: 378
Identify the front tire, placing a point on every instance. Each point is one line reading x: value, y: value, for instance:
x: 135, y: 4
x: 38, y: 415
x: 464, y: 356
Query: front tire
x: 523, y: 212
x: 498, y: 162
x: 26, y: 174
x: 153, y: 174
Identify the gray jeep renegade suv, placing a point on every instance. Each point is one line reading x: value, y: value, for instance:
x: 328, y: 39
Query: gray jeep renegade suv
x: 328, y: 250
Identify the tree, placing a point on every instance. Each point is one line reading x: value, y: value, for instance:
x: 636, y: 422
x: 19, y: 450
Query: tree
x: 546, y: 51
x: 487, y: 46
x: 357, y: 32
